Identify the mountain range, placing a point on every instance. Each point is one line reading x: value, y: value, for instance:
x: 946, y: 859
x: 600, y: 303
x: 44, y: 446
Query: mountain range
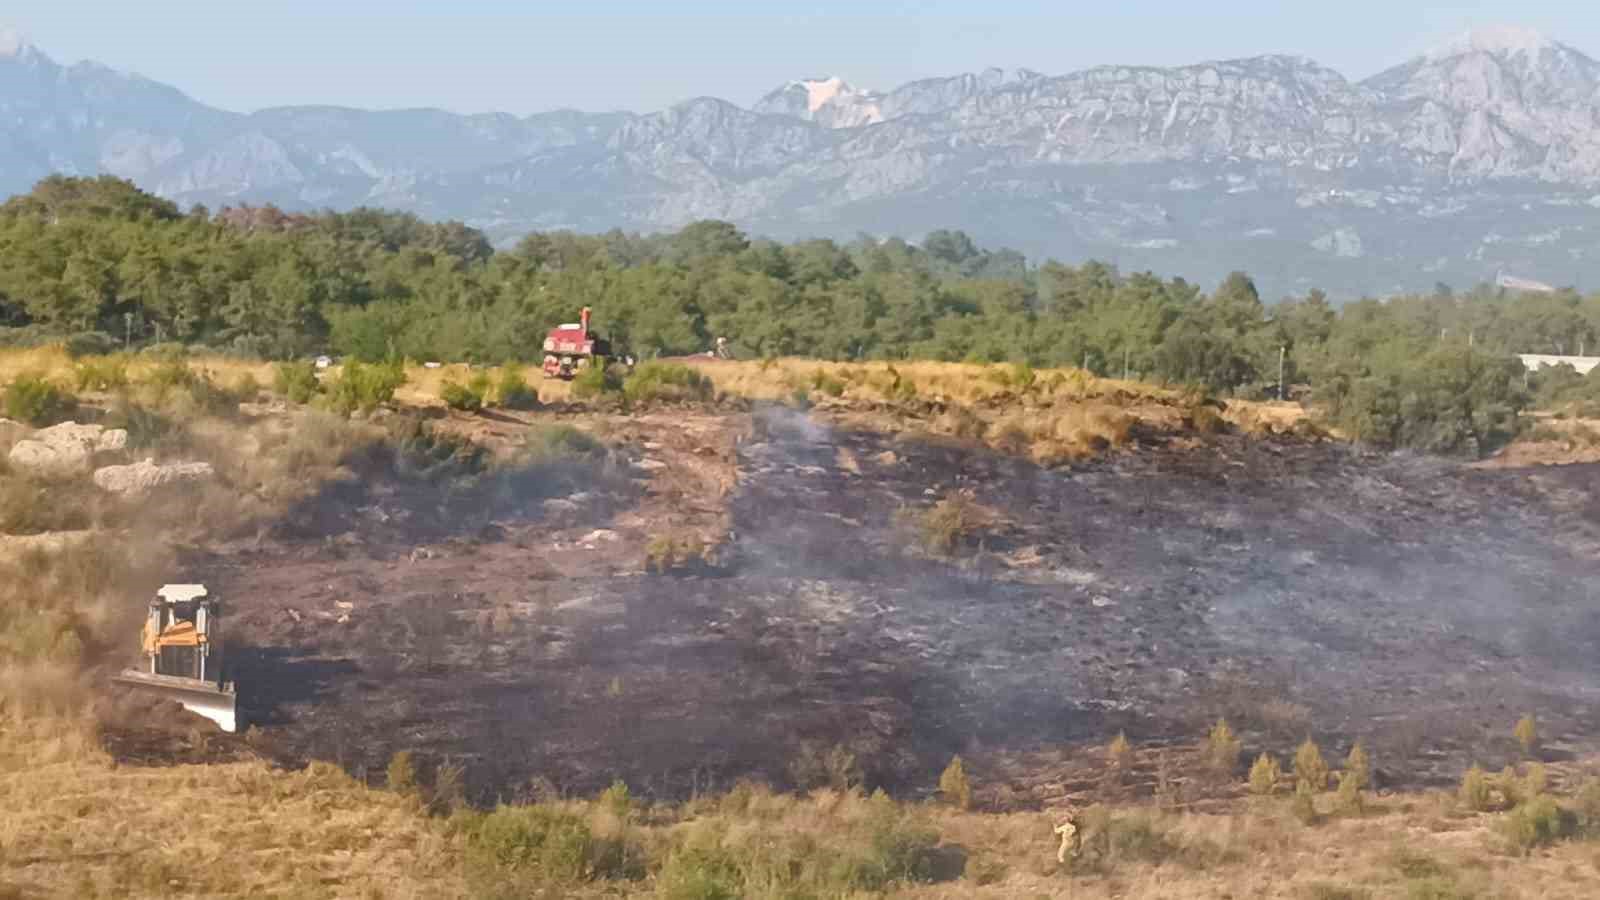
x: 1477, y: 161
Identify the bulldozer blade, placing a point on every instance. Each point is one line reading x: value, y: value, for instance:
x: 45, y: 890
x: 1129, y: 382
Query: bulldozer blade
x: 202, y: 698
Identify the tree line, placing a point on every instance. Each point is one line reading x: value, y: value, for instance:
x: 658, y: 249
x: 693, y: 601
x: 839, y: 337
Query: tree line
x: 99, y: 256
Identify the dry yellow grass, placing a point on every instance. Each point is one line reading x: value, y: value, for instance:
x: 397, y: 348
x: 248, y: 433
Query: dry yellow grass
x: 53, y: 362
x: 76, y: 825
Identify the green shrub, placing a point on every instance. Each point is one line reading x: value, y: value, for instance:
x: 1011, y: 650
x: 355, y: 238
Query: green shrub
x: 1304, y: 806
x: 659, y: 382
x: 1119, y: 755
x: 147, y: 429
x: 513, y: 391
x: 434, y: 453
x: 1350, y: 800
x: 1475, y: 792
x: 665, y: 553
x: 171, y: 374
x: 1107, y: 839
x: 296, y: 381
x: 90, y: 343
x: 827, y: 384
x: 363, y: 387
x: 901, y: 850
x: 38, y: 401
x: 1527, y: 735
x: 834, y: 767
x: 1587, y: 804
x: 1538, y: 822
x: 618, y: 799
x: 596, y: 380
x: 1309, y: 767
x: 207, y: 395
x: 954, y: 785
x: 534, y: 845
x: 401, y: 774
x: 101, y: 373
x: 464, y: 398
x: 1358, y: 765
x: 1265, y: 775
x: 1222, y: 749
x: 1537, y: 780
x: 449, y: 788
x: 550, y: 443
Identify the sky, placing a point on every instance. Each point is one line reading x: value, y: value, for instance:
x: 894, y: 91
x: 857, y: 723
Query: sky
x: 497, y: 55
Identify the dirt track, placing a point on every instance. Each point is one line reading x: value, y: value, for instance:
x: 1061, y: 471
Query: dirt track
x: 1294, y: 587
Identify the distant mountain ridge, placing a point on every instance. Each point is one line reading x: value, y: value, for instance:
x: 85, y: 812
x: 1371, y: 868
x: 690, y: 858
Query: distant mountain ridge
x: 1477, y: 158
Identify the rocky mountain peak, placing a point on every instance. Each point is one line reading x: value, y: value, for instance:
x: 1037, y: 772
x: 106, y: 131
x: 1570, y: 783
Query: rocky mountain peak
x: 14, y: 44
x: 1500, y: 40
x: 831, y: 102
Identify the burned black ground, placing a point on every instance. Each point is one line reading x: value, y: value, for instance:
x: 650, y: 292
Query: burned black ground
x: 1295, y: 587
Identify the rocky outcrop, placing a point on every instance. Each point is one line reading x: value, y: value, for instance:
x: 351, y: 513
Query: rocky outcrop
x: 146, y: 475
x: 65, y: 450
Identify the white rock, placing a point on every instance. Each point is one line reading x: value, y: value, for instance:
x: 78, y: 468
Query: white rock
x: 50, y: 460
x: 146, y: 475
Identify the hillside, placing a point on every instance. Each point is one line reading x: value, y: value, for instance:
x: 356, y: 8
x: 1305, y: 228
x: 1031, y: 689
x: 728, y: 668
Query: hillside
x: 744, y: 598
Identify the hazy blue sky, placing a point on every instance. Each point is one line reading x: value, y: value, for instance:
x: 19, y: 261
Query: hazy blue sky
x: 475, y: 55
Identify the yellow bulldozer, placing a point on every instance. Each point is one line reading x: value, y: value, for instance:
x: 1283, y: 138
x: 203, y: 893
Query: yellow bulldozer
x: 183, y: 654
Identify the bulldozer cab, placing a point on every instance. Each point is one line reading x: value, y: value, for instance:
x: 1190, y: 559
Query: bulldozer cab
x: 182, y: 637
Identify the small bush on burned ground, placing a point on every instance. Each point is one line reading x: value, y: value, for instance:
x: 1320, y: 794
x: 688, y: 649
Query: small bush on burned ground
x: 659, y: 382
x: 1205, y: 419
x: 1265, y: 775
x: 832, y: 767
x: 434, y: 453
x: 38, y: 401
x: 665, y: 553
x: 1310, y: 769
x: 553, y: 443
x: 1221, y: 750
x: 1119, y: 758
x: 954, y: 522
x: 954, y: 785
x: 1527, y: 734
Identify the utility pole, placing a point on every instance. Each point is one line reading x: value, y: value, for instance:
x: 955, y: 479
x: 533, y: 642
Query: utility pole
x: 1283, y: 358
x: 127, y: 331
x: 1124, y: 363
